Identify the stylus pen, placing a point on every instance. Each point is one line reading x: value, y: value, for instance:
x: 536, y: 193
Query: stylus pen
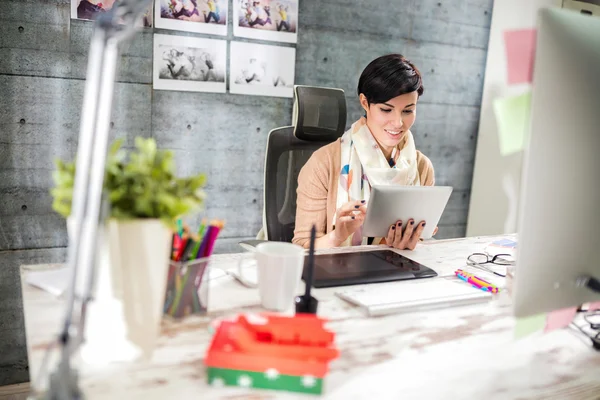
x: 307, y: 304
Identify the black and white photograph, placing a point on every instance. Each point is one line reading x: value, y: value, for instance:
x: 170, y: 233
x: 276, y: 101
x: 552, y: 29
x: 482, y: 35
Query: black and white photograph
x: 274, y: 20
x: 200, y: 16
x: 189, y: 64
x: 262, y: 70
x: 90, y: 9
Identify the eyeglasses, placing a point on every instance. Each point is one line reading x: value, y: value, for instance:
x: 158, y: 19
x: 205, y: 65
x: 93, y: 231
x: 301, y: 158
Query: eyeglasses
x: 478, y: 260
x: 590, y: 328
x: 593, y: 318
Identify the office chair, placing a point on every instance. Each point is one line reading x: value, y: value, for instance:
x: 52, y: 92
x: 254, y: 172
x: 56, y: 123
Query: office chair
x: 319, y: 118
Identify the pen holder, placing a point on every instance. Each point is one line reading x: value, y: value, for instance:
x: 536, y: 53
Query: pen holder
x: 187, y: 288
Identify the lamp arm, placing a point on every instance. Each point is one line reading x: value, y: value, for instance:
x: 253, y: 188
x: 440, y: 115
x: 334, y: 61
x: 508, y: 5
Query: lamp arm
x: 111, y: 30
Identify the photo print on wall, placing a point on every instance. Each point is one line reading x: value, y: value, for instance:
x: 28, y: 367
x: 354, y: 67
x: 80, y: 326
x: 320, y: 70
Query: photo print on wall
x: 90, y: 9
x: 200, y: 16
x: 275, y: 20
x: 189, y: 64
x: 262, y: 70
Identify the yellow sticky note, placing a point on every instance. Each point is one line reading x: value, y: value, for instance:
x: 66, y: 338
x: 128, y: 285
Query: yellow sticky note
x: 528, y: 325
x: 512, y: 117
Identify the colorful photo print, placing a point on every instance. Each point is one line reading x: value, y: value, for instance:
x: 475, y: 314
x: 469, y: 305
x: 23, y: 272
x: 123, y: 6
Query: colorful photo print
x: 90, y: 9
x: 275, y: 20
x: 200, y: 16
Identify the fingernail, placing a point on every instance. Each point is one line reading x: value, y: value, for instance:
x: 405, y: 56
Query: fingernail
x: 356, y: 206
x: 412, y: 222
x: 423, y: 224
x: 363, y: 201
x: 353, y: 217
x: 393, y: 226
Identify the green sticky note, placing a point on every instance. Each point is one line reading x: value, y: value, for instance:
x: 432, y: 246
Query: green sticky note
x: 528, y: 325
x: 512, y: 117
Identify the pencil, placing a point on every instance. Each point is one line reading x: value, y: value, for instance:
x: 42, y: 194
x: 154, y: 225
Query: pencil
x: 211, y: 241
x: 179, y: 227
x: 201, y: 230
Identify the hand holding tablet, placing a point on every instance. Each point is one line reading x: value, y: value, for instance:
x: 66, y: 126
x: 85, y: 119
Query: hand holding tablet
x: 406, y: 239
x: 389, y: 205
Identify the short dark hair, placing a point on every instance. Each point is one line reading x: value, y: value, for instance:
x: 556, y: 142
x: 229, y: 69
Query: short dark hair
x: 389, y: 76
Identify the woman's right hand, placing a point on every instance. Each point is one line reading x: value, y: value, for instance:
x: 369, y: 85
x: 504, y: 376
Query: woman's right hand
x: 349, y: 217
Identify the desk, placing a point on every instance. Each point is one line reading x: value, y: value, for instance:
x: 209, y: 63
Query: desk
x: 455, y: 353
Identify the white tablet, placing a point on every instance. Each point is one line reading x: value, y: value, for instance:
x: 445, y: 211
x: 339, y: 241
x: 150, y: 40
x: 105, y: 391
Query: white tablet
x: 388, y: 204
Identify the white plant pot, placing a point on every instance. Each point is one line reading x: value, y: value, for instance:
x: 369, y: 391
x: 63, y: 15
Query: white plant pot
x: 140, y: 263
x: 124, y: 318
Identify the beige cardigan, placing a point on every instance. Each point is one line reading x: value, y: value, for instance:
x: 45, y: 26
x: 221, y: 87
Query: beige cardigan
x: 317, y: 190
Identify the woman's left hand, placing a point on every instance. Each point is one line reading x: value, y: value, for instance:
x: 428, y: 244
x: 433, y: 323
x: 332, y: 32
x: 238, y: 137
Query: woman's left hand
x: 407, y: 239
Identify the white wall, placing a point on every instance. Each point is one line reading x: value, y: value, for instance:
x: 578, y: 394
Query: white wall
x: 496, y: 179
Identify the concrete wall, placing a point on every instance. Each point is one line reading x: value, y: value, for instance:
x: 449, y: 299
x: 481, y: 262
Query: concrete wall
x: 42, y: 71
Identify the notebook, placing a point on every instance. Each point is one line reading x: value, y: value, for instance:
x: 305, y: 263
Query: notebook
x: 502, y: 246
x: 419, y: 295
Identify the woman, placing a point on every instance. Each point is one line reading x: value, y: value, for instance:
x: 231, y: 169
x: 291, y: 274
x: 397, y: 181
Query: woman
x: 212, y: 12
x: 333, y: 186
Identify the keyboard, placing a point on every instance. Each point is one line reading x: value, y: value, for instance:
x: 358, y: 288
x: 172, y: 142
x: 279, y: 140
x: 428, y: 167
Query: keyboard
x: 420, y: 295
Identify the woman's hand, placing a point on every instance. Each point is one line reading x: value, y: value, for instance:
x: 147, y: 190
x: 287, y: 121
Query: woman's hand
x: 406, y: 240
x: 349, y: 218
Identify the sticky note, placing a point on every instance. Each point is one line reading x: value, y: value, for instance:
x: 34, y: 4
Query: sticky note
x: 560, y: 318
x: 520, y: 55
x: 528, y: 325
x: 505, y: 243
x: 512, y: 119
x: 594, y: 306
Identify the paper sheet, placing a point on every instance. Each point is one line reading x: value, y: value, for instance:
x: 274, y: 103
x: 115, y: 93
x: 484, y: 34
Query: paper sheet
x: 559, y: 319
x: 528, y: 325
x: 520, y: 55
x: 54, y: 281
x: 512, y: 118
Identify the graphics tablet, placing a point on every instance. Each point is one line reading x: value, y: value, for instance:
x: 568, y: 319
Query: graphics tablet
x: 388, y: 204
x: 343, y: 269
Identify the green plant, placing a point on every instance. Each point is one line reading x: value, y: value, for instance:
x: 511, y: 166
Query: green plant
x: 141, y: 184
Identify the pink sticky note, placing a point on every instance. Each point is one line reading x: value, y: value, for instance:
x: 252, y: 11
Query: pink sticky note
x: 520, y: 55
x: 560, y: 318
x: 594, y: 306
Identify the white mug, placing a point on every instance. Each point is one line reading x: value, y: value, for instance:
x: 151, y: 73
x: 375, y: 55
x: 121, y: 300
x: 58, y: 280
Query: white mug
x: 280, y: 267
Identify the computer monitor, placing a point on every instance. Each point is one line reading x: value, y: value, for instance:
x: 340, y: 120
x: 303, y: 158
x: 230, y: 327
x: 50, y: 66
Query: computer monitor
x: 559, y: 210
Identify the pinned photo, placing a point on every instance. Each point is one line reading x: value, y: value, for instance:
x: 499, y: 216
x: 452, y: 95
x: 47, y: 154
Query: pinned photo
x: 262, y: 70
x: 275, y: 20
x: 90, y: 9
x: 189, y: 64
x: 200, y: 16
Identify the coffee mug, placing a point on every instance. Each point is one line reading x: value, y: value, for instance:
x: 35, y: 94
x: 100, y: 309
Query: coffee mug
x: 279, y: 267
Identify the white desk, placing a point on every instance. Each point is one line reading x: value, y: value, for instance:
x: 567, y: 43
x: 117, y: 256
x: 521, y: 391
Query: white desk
x: 458, y: 353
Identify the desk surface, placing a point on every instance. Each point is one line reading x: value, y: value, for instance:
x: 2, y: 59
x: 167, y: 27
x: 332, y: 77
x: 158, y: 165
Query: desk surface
x: 456, y: 353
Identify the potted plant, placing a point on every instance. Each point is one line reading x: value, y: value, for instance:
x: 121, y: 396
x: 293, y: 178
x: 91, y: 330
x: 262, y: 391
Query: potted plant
x: 144, y: 199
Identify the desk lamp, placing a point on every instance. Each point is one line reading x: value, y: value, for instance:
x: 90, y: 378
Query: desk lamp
x: 112, y: 29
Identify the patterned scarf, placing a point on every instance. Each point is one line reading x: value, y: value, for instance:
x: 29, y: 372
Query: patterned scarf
x: 363, y: 164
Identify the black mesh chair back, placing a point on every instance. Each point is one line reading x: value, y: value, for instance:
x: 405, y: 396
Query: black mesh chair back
x: 319, y: 119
